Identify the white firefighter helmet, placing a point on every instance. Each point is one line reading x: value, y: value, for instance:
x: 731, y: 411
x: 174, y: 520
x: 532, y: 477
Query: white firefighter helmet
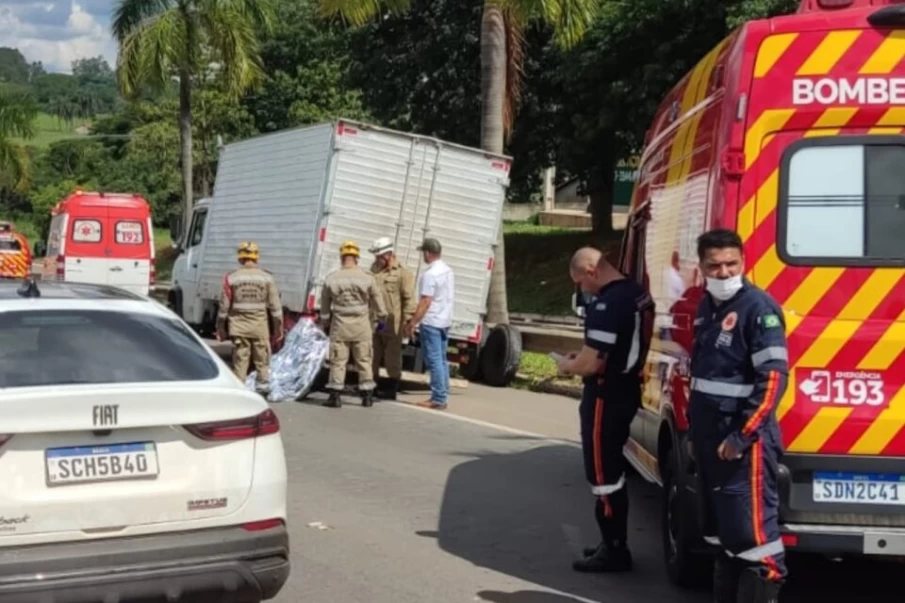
x: 381, y: 246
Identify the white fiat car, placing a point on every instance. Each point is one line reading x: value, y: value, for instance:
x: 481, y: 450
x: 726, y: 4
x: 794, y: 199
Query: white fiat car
x: 133, y: 463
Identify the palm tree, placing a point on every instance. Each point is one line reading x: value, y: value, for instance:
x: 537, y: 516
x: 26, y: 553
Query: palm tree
x: 502, y: 59
x: 163, y: 40
x: 17, y: 115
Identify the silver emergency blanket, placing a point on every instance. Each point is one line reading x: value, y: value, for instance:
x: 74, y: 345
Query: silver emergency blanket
x: 294, y: 368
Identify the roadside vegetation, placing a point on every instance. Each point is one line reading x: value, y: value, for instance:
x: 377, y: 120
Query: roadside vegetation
x: 583, y: 102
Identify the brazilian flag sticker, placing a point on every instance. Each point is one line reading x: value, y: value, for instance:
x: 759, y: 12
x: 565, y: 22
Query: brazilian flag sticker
x: 772, y: 321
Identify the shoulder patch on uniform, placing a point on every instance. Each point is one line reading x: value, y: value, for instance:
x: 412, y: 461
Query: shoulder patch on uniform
x: 698, y: 321
x: 771, y: 321
x: 600, y: 307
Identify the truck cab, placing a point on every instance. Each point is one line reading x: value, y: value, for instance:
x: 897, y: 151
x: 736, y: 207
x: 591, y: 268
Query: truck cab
x: 184, y: 297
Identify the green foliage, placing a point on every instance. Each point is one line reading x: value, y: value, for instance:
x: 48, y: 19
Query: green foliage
x: 13, y: 67
x: 307, y: 61
x: 160, y: 39
x: 17, y: 112
x: 617, y: 77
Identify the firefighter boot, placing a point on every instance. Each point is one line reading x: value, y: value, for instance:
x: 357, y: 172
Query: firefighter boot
x: 726, y: 574
x: 605, y: 560
x: 387, y: 389
x: 755, y: 588
x: 334, y: 401
x: 367, y: 398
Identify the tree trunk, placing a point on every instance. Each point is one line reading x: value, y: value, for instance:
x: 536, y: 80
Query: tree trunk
x: 185, y: 137
x: 493, y: 94
x: 600, y: 189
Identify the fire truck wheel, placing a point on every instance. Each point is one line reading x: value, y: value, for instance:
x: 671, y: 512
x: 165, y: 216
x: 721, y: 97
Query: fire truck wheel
x: 685, y: 566
x: 501, y: 355
x: 471, y: 370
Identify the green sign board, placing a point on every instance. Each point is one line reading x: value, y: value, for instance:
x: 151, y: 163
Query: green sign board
x: 625, y: 176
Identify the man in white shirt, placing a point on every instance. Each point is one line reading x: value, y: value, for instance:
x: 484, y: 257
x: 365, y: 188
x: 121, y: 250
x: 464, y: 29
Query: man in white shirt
x: 434, y: 313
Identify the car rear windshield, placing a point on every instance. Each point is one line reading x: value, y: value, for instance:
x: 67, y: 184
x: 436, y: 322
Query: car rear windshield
x: 57, y: 347
x: 10, y: 245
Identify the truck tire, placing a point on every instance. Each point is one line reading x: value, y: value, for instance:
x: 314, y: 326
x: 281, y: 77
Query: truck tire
x: 685, y: 566
x: 472, y: 370
x: 174, y: 301
x: 501, y: 355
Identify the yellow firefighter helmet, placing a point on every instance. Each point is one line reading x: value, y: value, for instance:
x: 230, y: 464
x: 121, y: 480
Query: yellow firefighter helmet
x: 349, y: 248
x: 249, y: 250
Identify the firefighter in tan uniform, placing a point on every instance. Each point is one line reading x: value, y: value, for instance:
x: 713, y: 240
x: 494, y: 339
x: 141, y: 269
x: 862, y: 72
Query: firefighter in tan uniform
x: 350, y: 305
x: 397, y: 287
x: 250, y: 310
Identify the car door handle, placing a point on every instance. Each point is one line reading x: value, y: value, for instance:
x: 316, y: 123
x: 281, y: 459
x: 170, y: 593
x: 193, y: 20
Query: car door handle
x: 116, y: 269
x: 194, y: 265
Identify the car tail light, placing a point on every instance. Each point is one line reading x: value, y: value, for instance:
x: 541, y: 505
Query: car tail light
x: 263, y: 424
x: 260, y: 526
x: 61, y: 267
x: 152, y: 279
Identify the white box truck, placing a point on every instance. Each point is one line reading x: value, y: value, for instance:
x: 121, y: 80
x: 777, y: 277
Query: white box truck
x: 299, y: 193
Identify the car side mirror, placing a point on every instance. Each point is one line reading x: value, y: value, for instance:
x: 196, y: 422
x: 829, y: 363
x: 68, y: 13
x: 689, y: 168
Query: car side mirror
x: 580, y: 300
x: 40, y: 249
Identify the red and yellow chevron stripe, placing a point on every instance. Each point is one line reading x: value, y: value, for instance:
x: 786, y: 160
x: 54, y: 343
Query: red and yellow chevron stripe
x: 14, y: 265
x: 837, y: 318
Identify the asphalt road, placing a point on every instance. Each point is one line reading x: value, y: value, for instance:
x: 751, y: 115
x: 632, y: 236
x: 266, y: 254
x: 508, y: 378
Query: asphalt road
x: 398, y: 505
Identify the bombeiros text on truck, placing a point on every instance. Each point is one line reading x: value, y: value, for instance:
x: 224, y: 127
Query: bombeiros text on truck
x: 789, y: 132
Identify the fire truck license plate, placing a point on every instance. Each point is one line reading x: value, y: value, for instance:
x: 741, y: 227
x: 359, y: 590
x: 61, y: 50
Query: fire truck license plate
x: 859, y: 488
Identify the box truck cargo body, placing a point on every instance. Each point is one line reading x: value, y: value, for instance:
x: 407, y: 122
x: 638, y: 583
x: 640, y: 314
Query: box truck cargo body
x: 300, y: 193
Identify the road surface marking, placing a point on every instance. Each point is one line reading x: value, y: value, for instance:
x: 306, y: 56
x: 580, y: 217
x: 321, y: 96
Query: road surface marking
x: 446, y: 414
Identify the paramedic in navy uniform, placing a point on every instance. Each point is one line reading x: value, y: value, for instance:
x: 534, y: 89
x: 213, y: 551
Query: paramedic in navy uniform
x: 739, y: 369
x: 618, y: 324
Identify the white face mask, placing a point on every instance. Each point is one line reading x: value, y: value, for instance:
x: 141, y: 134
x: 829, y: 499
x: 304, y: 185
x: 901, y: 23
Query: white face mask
x: 723, y: 289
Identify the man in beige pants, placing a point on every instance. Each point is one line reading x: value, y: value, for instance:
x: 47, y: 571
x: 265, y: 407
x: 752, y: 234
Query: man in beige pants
x: 396, y: 284
x: 349, y: 300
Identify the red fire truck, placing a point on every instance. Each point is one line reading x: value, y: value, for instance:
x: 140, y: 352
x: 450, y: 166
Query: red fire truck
x: 790, y: 132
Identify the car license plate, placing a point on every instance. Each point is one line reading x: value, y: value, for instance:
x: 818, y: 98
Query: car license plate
x: 101, y: 463
x: 859, y: 488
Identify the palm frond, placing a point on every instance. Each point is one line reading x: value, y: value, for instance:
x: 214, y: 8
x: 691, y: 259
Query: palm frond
x: 15, y: 166
x: 569, y: 19
x: 149, y: 52
x: 233, y: 37
x: 130, y: 14
x: 17, y: 115
x: 359, y: 12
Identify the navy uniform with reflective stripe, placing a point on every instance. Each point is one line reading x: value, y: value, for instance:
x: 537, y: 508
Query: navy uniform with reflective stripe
x: 739, y: 372
x: 618, y: 325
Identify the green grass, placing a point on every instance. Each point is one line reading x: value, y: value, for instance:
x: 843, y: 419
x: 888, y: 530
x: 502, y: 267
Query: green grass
x: 538, y: 371
x: 48, y: 130
x: 166, y: 254
x: 537, y: 260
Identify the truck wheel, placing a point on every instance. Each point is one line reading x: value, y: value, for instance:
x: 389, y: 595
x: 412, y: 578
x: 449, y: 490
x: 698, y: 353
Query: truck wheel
x: 501, y: 355
x: 174, y: 301
x: 684, y: 566
x: 471, y: 370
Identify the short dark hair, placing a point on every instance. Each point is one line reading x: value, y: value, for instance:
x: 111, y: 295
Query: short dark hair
x: 718, y: 238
